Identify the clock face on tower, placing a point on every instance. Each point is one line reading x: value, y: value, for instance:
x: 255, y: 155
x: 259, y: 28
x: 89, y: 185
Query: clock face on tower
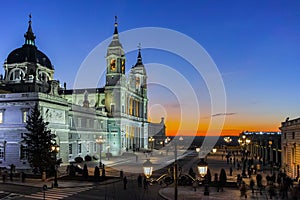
x: 113, y: 65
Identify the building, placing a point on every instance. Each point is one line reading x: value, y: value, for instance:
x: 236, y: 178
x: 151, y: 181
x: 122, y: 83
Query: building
x: 264, y: 146
x: 117, y: 112
x: 157, y: 134
x: 291, y: 146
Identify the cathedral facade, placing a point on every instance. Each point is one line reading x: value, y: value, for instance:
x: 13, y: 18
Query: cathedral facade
x: 116, y: 112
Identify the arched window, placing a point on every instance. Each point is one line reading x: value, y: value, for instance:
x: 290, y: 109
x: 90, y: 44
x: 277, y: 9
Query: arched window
x: 16, y: 74
x: 43, y: 76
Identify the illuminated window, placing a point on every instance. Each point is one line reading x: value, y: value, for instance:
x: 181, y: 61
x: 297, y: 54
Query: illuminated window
x: 24, y: 115
x: 293, y: 155
x: 23, y: 151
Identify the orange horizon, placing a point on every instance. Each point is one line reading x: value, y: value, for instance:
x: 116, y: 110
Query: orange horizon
x: 223, y: 133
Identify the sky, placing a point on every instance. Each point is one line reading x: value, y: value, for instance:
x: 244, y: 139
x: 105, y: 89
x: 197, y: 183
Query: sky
x: 255, y: 46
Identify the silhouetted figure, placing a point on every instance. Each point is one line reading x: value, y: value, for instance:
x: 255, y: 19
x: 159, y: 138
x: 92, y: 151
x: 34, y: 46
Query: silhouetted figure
x: 139, y: 181
x: 252, y: 185
x: 11, y: 176
x: 125, y: 182
x: 4, y: 176
x: 96, y: 173
x: 103, y: 173
x: 243, y: 190
x: 85, y: 172
x: 230, y: 171
x: 259, y: 182
x: 23, y: 177
x: 145, y: 184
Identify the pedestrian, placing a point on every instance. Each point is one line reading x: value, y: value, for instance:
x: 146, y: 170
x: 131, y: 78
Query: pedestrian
x: 230, y: 171
x: 139, y: 180
x: 252, y: 183
x: 195, y: 183
x: 145, y: 184
x: 23, y: 176
x: 259, y: 183
x: 136, y: 158
x: 125, y: 182
x: 243, y: 190
x: 11, y: 176
x: 4, y: 176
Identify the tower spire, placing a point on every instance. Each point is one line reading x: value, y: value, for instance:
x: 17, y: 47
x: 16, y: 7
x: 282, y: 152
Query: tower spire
x: 116, y: 25
x: 29, y: 35
x: 139, y: 58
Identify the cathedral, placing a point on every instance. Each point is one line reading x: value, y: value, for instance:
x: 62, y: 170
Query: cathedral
x: 117, y: 112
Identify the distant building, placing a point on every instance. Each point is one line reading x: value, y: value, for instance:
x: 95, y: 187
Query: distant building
x: 118, y: 111
x: 158, y: 132
x: 291, y: 146
x: 264, y: 146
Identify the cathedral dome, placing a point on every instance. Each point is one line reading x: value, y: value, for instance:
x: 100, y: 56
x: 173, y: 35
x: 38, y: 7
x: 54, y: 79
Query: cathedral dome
x: 29, y: 53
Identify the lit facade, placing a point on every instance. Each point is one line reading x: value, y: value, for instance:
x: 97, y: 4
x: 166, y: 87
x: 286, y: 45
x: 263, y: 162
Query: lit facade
x: 265, y: 146
x: 117, y: 112
x: 291, y: 146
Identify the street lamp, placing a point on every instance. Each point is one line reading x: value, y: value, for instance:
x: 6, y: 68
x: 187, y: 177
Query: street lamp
x: 227, y: 139
x: 198, y: 151
x: 176, y: 170
x: 55, y: 149
x: 214, y: 150
x: 167, y: 140
x: 202, y: 170
x: 151, y: 140
x: 100, y: 141
x: 148, y: 167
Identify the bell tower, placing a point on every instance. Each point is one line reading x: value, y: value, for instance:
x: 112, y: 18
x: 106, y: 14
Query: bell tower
x: 115, y: 60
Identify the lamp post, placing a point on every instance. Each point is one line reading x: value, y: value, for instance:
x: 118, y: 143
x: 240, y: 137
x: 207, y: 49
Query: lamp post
x: 100, y: 141
x: 176, y: 170
x: 151, y: 140
x: 148, y: 168
x: 244, y: 142
x: 55, y: 149
x: 198, y: 151
x: 167, y: 140
x: 202, y: 170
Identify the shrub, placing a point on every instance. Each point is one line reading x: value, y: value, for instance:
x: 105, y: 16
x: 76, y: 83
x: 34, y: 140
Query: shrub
x: 78, y: 159
x: 87, y: 158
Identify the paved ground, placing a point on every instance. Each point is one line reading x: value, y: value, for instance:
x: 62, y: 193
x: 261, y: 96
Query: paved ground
x: 215, y: 163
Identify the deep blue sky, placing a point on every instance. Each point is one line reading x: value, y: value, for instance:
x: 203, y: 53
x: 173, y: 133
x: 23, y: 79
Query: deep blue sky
x: 255, y: 45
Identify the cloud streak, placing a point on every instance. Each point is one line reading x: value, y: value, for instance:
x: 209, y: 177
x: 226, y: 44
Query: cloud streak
x: 223, y: 114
